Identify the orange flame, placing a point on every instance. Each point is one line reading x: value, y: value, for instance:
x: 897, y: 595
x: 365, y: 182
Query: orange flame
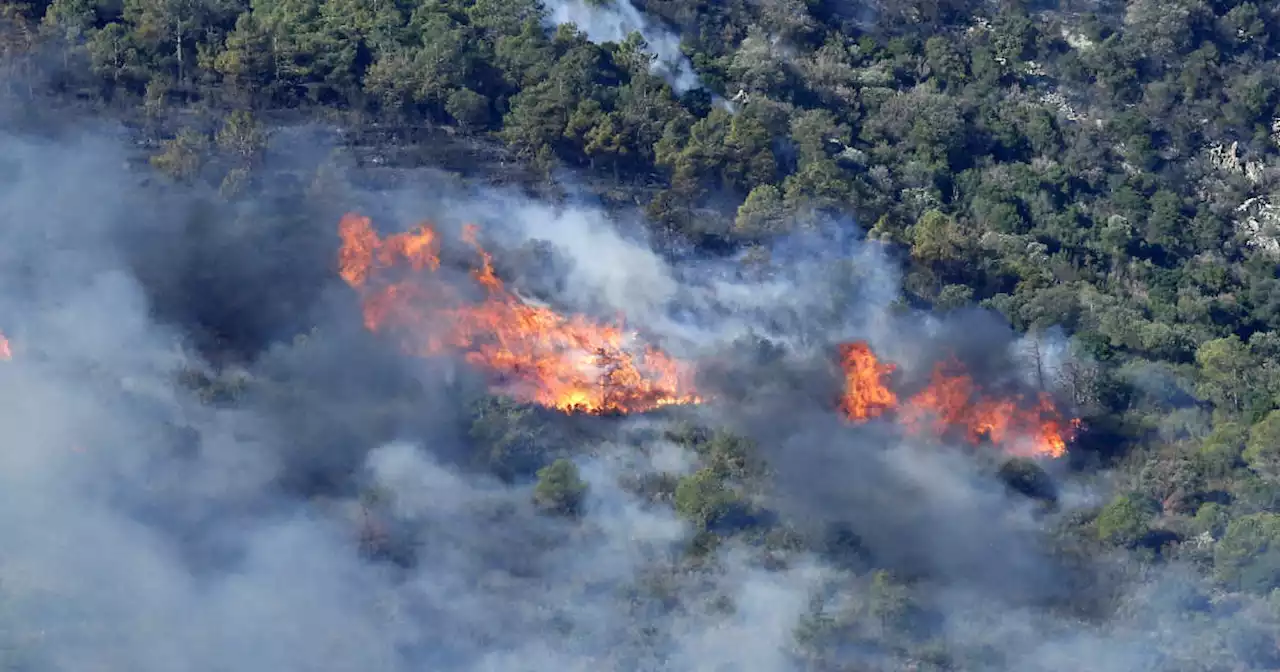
x: 6, y: 352
x: 866, y: 393
x: 953, y: 403
x: 534, y: 353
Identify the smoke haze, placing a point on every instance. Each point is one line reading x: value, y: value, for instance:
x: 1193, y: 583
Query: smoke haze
x: 315, y: 502
x: 614, y: 21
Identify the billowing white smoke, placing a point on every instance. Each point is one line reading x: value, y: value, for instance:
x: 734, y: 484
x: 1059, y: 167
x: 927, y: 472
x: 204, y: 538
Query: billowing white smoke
x: 614, y: 20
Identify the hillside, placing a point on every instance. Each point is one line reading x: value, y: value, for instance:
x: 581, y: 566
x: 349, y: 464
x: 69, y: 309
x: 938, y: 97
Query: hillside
x: 950, y: 339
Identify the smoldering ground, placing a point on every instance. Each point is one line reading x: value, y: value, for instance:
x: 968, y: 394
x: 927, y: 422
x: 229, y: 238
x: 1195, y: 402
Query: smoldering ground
x: 320, y: 509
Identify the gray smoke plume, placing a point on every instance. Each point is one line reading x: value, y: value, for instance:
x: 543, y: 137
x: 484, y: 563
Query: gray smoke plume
x: 313, y: 501
x: 614, y: 21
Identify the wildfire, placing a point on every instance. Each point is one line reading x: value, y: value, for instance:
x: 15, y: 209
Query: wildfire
x: 868, y: 395
x: 952, y: 403
x: 533, y: 353
x: 6, y: 352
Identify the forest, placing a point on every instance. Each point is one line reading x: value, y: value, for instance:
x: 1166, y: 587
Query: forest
x: 848, y: 195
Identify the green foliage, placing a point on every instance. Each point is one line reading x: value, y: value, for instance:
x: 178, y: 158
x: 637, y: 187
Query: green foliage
x: 468, y: 108
x: 703, y: 497
x: 722, y: 452
x: 1028, y: 478
x: 763, y: 213
x: 935, y: 239
x: 1262, y: 452
x: 509, y: 438
x: 1126, y: 520
x: 1225, y: 367
x: 560, y: 489
x: 1220, y: 452
x: 954, y: 296
x: 242, y: 138
x: 1248, y: 556
x: 1212, y: 519
x: 1175, y: 479
x: 890, y: 601
x: 183, y: 156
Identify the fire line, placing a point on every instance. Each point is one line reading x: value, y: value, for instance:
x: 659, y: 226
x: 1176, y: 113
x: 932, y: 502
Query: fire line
x: 952, y: 404
x: 575, y: 364
x: 533, y: 353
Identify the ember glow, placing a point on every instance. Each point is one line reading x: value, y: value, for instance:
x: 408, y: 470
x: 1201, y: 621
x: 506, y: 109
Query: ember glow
x: 532, y: 353
x: 952, y: 404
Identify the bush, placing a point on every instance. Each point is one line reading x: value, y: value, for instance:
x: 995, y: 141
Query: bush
x: 1248, y: 557
x: 1126, y: 520
x: 703, y: 497
x: 1027, y: 477
x: 468, y: 108
x: 560, y: 489
x: 1262, y: 451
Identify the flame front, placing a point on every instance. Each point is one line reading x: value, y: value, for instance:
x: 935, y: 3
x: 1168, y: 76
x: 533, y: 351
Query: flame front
x: 952, y: 403
x: 533, y: 353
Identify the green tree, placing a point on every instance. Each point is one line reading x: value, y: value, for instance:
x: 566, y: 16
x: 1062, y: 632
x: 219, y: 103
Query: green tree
x: 1166, y: 225
x: 1211, y: 518
x: 935, y: 239
x: 820, y: 184
x: 71, y: 19
x: 247, y: 61
x: 524, y: 58
x: 242, y: 137
x: 889, y: 601
x: 538, y: 118
x: 113, y: 54
x: 922, y: 121
x: 816, y: 132
x: 170, y: 29
x: 560, y: 489
x: 445, y: 61
x: 644, y: 107
x: 1126, y: 520
x: 729, y: 455
x: 1248, y: 556
x: 762, y: 214
x: 1262, y: 452
x: 315, y: 48
x: 1243, y: 25
x: 509, y: 439
x: 1221, y: 451
x: 724, y: 149
x: 503, y: 17
x: 597, y: 133
x: 1028, y: 478
x: 704, y: 497
x: 468, y: 108
x: 945, y: 62
x: 393, y: 82
x: 1225, y: 372
x: 182, y: 156
x: 757, y: 65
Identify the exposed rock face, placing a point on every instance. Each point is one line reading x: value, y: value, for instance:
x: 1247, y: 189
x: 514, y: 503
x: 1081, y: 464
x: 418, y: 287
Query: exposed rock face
x: 1259, y: 221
